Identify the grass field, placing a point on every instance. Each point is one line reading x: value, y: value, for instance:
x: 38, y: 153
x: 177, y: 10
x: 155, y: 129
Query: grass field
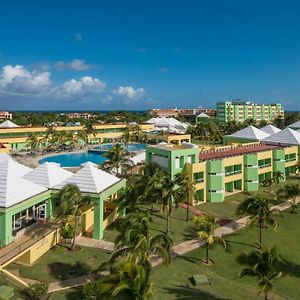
x: 172, y: 282
x: 178, y: 226
x: 60, y: 264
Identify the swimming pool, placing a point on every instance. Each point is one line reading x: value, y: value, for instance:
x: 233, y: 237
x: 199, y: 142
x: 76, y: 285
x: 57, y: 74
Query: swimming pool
x: 75, y: 159
x: 70, y: 160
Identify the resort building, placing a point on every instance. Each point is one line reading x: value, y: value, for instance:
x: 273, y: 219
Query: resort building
x: 190, y: 113
x: 5, y: 115
x: 220, y: 171
x: 246, y: 135
x: 239, y: 112
x: 15, y: 139
x: 77, y: 115
x: 28, y: 201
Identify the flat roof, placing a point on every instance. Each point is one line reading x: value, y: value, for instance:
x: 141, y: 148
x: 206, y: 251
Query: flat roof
x: 173, y: 147
x: 235, y: 152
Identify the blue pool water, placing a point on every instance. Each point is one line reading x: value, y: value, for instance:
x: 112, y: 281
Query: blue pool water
x: 76, y: 159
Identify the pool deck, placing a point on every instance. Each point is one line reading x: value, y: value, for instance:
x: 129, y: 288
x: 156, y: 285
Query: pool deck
x: 33, y: 161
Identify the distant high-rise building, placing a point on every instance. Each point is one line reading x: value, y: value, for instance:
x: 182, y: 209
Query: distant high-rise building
x: 240, y: 111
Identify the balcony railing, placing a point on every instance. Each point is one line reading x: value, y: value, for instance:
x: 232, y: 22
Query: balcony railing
x: 290, y: 159
x: 199, y: 180
x: 233, y: 173
x: 265, y: 166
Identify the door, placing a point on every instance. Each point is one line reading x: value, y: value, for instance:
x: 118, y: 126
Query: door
x: 41, y: 213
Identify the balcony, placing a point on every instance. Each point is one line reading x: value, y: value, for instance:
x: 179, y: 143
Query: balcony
x: 265, y: 166
x: 233, y: 173
x: 199, y: 180
x: 290, y: 159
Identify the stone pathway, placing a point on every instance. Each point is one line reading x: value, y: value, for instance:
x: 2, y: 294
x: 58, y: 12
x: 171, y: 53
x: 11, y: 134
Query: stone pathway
x: 91, y: 243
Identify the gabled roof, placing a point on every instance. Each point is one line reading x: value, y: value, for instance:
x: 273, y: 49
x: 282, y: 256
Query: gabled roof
x: 287, y: 136
x: 89, y: 163
x: 203, y: 115
x: 90, y: 180
x: 13, y: 187
x: 8, y: 124
x: 295, y: 125
x: 270, y: 129
x: 251, y: 133
x: 48, y: 175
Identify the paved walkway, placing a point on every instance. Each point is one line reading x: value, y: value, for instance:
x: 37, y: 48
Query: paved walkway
x: 91, y: 243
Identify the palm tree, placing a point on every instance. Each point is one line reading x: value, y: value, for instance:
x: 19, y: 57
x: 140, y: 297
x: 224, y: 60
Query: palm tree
x: 169, y: 197
x: 89, y: 131
x: 186, y: 188
x: 277, y: 177
x: 258, y: 210
x: 33, y: 141
x: 149, y: 183
x: 135, y: 240
x: 290, y: 191
x: 126, y: 280
x: 205, y: 227
x: 261, y: 264
x: 71, y: 205
x: 126, y: 136
x: 117, y: 158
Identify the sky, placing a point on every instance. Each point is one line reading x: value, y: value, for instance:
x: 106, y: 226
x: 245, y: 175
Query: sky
x: 141, y: 54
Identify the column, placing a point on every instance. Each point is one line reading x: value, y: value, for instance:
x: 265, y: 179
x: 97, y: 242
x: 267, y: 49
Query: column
x: 98, y: 219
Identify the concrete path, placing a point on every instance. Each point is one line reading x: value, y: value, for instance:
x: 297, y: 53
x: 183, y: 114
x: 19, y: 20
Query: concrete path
x: 74, y: 282
x: 91, y: 243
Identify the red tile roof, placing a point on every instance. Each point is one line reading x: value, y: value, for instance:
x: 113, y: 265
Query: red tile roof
x: 235, y: 151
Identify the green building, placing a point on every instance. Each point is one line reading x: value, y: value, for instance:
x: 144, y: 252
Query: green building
x: 239, y: 112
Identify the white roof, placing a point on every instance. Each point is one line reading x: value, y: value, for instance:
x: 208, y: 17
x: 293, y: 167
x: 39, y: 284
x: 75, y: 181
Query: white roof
x: 48, y: 175
x: 286, y: 136
x: 270, y: 129
x: 250, y: 132
x: 203, y: 115
x: 139, y: 158
x: 165, y: 122
x: 90, y: 180
x: 13, y: 188
x: 89, y: 163
x: 295, y: 125
x: 8, y: 124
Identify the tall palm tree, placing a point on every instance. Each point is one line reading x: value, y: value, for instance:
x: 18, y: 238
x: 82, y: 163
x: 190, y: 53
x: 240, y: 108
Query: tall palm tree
x: 126, y: 136
x: 290, y: 191
x: 71, y: 206
x: 149, y: 183
x: 33, y: 141
x: 169, y: 198
x: 204, y: 227
x: 117, y: 158
x: 89, y: 131
x: 186, y: 188
x: 261, y: 264
x: 259, y: 212
x: 277, y: 177
x: 136, y: 241
x: 126, y: 280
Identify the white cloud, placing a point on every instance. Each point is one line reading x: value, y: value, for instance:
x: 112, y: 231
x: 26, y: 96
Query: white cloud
x: 129, y: 93
x: 75, y: 65
x: 84, y: 88
x: 16, y: 80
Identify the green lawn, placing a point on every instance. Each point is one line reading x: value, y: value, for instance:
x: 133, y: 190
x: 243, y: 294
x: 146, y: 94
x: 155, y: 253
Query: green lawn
x: 227, y: 208
x: 60, y: 264
x: 172, y: 282
x: 178, y: 226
